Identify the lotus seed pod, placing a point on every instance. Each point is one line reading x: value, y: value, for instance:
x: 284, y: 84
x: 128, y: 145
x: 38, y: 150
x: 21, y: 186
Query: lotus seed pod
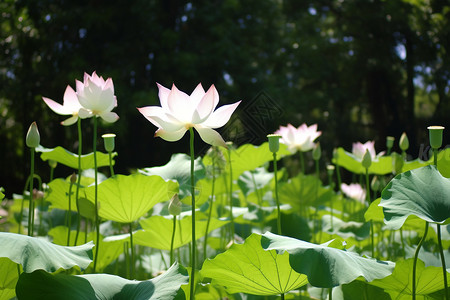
x: 274, y: 142
x: 73, y: 178
x: 317, y: 152
x: 108, y: 141
x: 33, y: 138
x: 330, y: 169
x: 404, y: 142
x: 52, y: 163
x: 175, y: 205
x: 436, y: 133
x: 367, y: 159
x: 390, y: 142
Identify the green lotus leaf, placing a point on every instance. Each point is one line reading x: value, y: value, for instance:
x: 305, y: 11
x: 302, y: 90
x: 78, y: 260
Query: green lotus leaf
x: 443, y: 162
x: 67, y: 158
x: 345, y: 159
x: 251, y: 181
x: 158, y: 230
x: 248, y: 157
x: 421, y: 192
x: 374, y: 212
x: 125, y: 199
x: 41, y: 285
x: 179, y: 169
x: 8, y: 274
x: 399, y: 286
x: 304, y: 190
x: 38, y: 254
x: 248, y: 268
x: 326, y: 266
x: 7, y: 294
x: 1, y: 194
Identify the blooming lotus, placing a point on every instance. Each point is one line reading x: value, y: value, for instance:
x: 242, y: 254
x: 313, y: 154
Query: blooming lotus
x: 354, y: 191
x: 70, y: 106
x: 179, y: 112
x: 96, y: 97
x: 359, y: 149
x: 299, y: 139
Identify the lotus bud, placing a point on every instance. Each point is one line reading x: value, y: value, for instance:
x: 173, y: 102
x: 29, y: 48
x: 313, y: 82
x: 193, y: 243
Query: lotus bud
x: 175, y: 205
x: 52, y: 163
x: 367, y: 159
x: 37, y: 194
x: 375, y: 184
x: 435, y: 133
x: 73, y: 178
x: 33, y: 138
x: 274, y: 142
x: 404, y: 142
x: 317, y: 152
x: 108, y: 140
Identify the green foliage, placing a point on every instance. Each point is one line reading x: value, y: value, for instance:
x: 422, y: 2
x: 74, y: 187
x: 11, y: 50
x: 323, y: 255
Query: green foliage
x: 326, y: 266
x: 125, y: 199
x: 247, y: 268
x: 37, y: 254
x: 42, y: 285
x: 421, y: 192
x: 382, y: 166
x: 67, y: 158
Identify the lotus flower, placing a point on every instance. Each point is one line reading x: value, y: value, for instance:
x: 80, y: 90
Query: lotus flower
x: 299, y: 139
x: 359, y: 149
x: 179, y: 112
x: 70, y: 106
x: 354, y: 191
x: 96, y: 97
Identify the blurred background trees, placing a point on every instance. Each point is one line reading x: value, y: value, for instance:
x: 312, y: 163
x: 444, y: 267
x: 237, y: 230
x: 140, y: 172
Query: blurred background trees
x: 360, y: 69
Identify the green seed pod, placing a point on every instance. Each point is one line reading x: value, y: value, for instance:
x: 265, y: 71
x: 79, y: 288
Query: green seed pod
x: 108, y: 141
x: 436, y: 133
x: 274, y: 142
x: 390, y: 142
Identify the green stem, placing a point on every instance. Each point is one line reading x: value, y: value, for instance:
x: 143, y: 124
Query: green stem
x: 275, y: 171
x: 302, y: 162
x: 368, y: 203
x: 435, y: 153
x: 69, y: 214
x: 230, y: 195
x: 30, y: 206
x: 259, y: 197
x: 194, y: 247
x: 282, y: 296
x: 132, y: 251
x: 416, y: 255
x: 110, y: 164
x: 444, y: 269
x: 211, y: 202
x: 173, y: 239
x: 330, y: 293
x: 97, y: 221
x: 78, y: 179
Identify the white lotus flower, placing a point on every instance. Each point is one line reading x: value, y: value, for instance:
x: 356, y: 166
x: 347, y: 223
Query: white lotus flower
x: 359, y: 149
x: 299, y: 139
x: 96, y: 97
x: 70, y: 106
x: 354, y: 191
x: 179, y: 112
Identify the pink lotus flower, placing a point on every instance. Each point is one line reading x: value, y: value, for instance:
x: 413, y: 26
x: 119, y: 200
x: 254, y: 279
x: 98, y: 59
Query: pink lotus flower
x: 354, y: 191
x: 359, y: 149
x: 179, y: 112
x: 70, y: 106
x: 299, y: 139
x: 96, y: 97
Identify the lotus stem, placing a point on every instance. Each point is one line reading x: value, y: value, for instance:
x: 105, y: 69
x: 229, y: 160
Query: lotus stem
x: 302, y: 162
x: 80, y: 141
x: 435, y: 153
x: 282, y: 296
x: 110, y: 164
x: 275, y: 171
x: 371, y: 222
x: 194, y: 247
x: 30, y: 206
x: 174, y: 227
x: 416, y: 255
x: 69, y: 214
x: 97, y: 221
x: 444, y: 269
x: 211, y: 202
x: 230, y: 193
x: 132, y: 251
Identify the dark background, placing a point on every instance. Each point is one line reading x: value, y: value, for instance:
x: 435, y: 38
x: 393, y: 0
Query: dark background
x: 360, y: 69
